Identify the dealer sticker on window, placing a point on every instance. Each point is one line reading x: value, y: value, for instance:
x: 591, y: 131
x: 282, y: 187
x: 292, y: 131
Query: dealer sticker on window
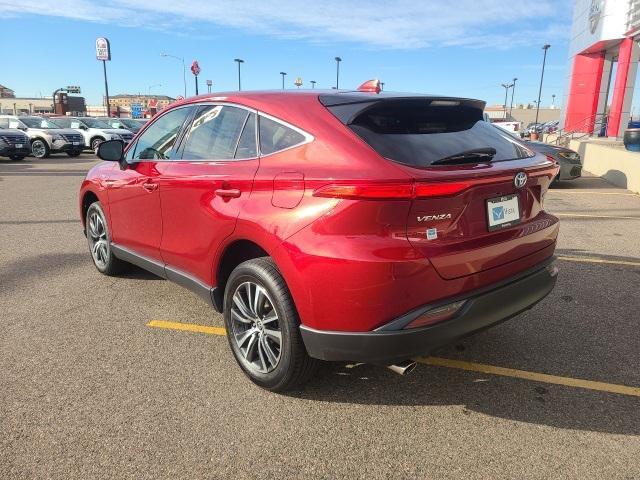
x: 503, y: 212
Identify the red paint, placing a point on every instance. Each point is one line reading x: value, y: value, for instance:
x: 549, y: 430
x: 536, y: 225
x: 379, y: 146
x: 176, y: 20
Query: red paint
x: 584, y: 92
x: 351, y: 263
x: 617, y: 100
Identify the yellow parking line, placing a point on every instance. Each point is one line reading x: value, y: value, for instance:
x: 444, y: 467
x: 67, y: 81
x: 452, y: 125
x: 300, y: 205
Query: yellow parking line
x: 589, y: 192
x: 533, y: 376
x: 593, y: 216
x: 597, y: 260
x: 445, y: 362
x: 189, y: 327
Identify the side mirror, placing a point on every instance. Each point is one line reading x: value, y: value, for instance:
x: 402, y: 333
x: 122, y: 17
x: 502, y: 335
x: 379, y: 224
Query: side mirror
x: 111, y: 151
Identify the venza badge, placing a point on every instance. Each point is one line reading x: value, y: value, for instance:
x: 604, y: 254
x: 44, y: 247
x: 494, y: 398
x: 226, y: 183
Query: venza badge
x: 520, y: 180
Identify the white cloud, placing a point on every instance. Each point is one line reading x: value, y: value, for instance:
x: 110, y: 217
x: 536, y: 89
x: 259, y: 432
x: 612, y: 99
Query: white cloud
x: 400, y: 24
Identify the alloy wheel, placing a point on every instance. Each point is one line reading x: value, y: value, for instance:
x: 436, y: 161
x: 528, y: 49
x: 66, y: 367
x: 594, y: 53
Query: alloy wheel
x: 98, y: 239
x: 255, y: 328
x: 38, y: 149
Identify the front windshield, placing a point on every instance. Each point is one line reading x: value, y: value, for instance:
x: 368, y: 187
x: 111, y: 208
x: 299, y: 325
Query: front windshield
x: 36, y: 122
x: 94, y: 123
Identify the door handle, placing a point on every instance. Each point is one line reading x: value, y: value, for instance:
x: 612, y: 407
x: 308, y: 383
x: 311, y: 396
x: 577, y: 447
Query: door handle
x: 228, y: 192
x: 150, y: 186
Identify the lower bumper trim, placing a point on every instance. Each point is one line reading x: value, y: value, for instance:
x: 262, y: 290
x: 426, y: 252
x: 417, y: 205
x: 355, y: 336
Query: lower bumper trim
x: 481, y: 311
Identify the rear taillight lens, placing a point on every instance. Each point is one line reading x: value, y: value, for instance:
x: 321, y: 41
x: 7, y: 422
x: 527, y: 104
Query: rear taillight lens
x: 390, y: 191
x: 437, y: 315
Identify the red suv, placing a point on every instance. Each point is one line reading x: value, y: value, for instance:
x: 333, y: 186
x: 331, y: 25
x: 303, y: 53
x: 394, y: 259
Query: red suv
x: 337, y: 225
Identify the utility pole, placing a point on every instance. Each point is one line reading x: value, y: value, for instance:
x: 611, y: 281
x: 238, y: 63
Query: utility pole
x: 506, y: 87
x: 512, y: 93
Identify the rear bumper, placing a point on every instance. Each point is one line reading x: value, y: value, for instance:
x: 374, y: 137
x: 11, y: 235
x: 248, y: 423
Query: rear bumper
x: 482, y: 309
x: 570, y: 171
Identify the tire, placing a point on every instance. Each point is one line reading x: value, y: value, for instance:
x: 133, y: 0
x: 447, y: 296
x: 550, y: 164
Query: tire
x: 95, y: 143
x: 99, y: 238
x: 40, y: 148
x: 74, y: 154
x: 275, y: 369
x: 16, y: 158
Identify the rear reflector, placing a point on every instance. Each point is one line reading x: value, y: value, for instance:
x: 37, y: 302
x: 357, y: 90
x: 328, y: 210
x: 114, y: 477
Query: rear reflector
x: 391, y: 191
x: 436, y: 315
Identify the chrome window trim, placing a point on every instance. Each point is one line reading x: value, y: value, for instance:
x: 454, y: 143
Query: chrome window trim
x: 308, y: 138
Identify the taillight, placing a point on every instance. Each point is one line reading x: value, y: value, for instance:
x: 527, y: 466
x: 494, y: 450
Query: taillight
x: 391, y: 191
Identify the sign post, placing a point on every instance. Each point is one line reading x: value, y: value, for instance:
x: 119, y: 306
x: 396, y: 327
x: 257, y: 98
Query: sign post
x: 195, y: 69
x: 103, y: 52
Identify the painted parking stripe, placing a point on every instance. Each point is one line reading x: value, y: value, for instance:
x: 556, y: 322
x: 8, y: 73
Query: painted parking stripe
x: 581, y: 215
x: 533, y: 376
x: 597, y: 260
x: 589, y: 192
x: 188, y: 327
x: 445, y: 362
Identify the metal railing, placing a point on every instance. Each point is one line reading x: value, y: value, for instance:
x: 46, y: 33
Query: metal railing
x: 584, y: 128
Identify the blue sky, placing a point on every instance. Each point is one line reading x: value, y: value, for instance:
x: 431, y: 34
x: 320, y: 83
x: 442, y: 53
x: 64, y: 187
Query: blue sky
x: 461, y: 47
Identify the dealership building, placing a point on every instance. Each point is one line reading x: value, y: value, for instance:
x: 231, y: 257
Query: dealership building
x: 603, y: 63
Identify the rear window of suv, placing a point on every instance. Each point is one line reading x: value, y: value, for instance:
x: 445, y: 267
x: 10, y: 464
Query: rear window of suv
x: 418, y: 132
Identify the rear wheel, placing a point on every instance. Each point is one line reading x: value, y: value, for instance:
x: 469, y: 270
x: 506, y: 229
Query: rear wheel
x: 263, y: 327
x: 99, y: 239
x: 39, y: 148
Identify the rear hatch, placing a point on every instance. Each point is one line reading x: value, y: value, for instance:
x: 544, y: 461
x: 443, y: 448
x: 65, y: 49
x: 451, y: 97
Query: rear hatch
x: 478, y: 191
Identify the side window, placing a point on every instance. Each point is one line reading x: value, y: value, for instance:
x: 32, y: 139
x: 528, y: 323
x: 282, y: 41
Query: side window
x: 214, y: 133
x: 247, y: 147
x: 157, y: 140
x: 4, y: 123
x: 62, y: 122
x: 275, y: 136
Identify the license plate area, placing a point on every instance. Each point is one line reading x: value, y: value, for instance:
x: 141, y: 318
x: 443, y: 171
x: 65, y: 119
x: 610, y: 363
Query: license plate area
x: 503, y: 212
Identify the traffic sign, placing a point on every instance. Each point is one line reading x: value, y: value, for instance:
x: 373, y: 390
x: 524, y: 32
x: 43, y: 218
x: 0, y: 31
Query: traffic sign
x: 195, y: 68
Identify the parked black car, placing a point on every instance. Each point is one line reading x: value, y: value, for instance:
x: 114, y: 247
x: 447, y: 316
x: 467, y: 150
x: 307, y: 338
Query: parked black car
x: 570, y: 165
x: 14, y: 144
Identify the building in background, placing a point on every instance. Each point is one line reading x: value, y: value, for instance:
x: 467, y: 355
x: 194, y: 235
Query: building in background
x: 6, y: 92
x: 36, y: 105
x: 603, y: 56
x: 162, y: 101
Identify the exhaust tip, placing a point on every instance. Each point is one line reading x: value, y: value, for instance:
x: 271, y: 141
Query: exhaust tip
x: 403, y: 368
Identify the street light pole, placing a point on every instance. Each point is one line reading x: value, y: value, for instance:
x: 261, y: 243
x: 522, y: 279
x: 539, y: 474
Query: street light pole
x: 512, y: 93
x: 283, y: 75
x: 184, y: 70
x: 338, y: 60
x: 152, y: 86
x: 381, y: 86
x: 313, y: 84
x: 239, y: 61
x: 544, y: 61
x: 506, y: 87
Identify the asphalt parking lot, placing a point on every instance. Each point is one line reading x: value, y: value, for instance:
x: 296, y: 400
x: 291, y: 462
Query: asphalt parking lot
x: 97, y: 381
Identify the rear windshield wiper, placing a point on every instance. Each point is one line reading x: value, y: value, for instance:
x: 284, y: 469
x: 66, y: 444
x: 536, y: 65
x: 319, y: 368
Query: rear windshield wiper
x: 468, y: 156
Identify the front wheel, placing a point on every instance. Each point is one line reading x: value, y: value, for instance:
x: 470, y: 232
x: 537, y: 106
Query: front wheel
x: 95, y: 143
x: 39, y: 148
x: 99, y: 239
x: 263, y: 327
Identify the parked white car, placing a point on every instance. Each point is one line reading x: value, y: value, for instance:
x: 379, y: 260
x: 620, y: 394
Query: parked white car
x: 45, y: 136
x: 93, y: 130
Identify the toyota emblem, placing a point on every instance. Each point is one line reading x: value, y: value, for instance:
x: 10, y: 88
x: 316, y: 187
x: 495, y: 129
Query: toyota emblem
x: 520, y: 180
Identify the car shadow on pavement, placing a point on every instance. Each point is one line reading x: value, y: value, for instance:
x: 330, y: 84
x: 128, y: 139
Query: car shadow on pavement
x: 586, y: 329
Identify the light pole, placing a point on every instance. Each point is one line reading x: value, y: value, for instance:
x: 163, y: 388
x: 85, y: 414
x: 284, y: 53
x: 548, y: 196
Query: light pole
x: 544, y: 60
x: 313, y: 84
x: 381, y: 86
x: 512, y: 92
x: 338, y: 60
x: 283, y: 75
x: 152, y: 86
x: 239, y: 61
x: 553, y: 101
x: 184, y: 70
x: 506, y: 87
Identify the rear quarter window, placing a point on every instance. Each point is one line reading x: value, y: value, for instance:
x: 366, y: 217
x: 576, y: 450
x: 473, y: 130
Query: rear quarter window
x: 275, y: 136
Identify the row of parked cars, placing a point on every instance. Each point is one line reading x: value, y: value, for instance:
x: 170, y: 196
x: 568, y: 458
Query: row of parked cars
x: 21, y: 136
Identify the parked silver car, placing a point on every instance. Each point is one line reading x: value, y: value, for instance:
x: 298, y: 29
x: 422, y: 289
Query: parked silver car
x: 45, y: 136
